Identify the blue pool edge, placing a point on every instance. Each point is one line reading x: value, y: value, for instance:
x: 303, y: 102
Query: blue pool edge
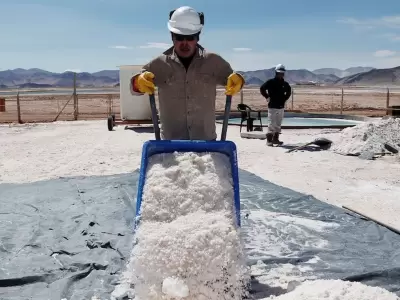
x: 264, y: 114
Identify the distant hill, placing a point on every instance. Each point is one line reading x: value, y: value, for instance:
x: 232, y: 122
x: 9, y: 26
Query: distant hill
x: 342, y: 73
x: 374, y: 77
x: 38, y: 78
x: 114, y: 74
x: 302, y: 76
x: 19, y: 78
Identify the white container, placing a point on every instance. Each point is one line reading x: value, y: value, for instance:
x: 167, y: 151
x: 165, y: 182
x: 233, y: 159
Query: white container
x: 132, y: 107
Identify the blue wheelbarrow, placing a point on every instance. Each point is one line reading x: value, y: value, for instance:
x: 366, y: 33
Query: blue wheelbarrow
x: 158, y: 146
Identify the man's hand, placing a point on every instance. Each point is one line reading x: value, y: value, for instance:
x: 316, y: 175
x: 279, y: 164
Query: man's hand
x: 234, y: 84
x: 143, y: 83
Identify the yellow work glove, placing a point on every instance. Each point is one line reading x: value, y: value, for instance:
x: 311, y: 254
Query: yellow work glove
x: 144, y: 83
x: 234, y: 84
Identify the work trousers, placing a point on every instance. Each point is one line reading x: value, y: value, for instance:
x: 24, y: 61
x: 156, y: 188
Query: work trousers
x: 275, y: 117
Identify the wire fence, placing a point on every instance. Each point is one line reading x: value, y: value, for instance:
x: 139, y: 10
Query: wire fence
x: 88, y: 106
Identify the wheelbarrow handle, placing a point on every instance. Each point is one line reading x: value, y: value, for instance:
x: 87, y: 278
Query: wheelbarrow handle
x: 228, y: 103
x: 154, y: 116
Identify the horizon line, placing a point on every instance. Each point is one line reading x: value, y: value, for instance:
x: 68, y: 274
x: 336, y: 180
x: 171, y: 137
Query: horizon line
x: 119, y: 68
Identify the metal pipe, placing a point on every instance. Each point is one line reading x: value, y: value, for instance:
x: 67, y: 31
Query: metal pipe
x: 395, y: 230
x: 228, y: 103
x: 154, y: 116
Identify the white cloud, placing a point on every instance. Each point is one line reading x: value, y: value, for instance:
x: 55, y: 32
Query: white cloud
x: 73, y: 70
x: 247, y: 61
x: 382, y: 23
x: 392, y: 20
x: 120, y: 47
x: 357, y: 24
x: 384, y: 53
x: 156, y: 45
x: 392, y: 36
x: 354, y: 21
x: 385, y: 21
x: 242, y: 49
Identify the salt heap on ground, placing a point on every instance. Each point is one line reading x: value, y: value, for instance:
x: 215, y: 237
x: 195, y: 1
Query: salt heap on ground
x: 335, y: 290
x: 187, y: 244
x: 369, y: 137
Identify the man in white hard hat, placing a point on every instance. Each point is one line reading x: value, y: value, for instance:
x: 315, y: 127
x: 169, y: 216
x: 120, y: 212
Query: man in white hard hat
x: 187, y: 77
x: 278, y: 91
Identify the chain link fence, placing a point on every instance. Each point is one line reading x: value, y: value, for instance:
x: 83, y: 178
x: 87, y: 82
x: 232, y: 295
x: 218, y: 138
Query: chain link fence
x: 89, y: 106
x: 350, y: 101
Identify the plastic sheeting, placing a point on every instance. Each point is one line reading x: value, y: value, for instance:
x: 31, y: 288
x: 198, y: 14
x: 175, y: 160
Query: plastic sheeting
x: 295, y: 237
x: 71, y: 238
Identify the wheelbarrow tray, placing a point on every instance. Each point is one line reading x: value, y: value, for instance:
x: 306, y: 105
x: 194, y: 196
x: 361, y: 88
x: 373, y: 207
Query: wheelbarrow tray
x: 153, y: 147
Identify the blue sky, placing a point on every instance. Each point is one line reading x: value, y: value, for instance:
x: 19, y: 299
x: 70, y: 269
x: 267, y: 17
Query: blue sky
x: 91, y: 35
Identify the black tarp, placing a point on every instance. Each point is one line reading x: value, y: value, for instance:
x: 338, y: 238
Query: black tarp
x: 71, y: 238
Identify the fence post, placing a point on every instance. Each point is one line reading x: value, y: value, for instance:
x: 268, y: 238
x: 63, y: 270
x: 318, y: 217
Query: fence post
x: 241, y: 96
x: 75, y: 100
x: 341, y: 103
x: 18, y: 110
x: 387, y: 101
x: 292, y: 99
x: 2, y: 104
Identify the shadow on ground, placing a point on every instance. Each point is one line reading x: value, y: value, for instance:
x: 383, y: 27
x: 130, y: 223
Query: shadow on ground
x: 141, y: 129
x: 71, y: 238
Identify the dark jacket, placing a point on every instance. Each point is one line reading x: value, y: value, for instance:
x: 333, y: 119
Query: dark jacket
x: 277, y: 90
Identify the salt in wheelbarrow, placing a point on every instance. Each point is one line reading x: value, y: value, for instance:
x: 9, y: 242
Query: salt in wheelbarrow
x: 158, y: 146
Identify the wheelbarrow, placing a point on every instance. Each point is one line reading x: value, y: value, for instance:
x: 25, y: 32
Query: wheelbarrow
x: 158, y: 146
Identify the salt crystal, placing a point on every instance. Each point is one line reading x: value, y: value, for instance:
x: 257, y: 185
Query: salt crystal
x: 175, y: 287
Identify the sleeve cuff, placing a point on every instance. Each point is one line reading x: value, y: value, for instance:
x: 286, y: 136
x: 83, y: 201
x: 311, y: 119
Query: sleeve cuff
x: 243, y: 80
x: 133, y: 89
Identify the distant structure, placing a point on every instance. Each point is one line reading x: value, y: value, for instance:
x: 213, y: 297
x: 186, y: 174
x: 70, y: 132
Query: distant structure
x: 312, y: 83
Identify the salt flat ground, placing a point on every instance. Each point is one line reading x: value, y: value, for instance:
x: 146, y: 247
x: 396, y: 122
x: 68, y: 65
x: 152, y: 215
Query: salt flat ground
x: 43, y: 151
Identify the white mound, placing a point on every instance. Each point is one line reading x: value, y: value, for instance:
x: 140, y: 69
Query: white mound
x: 336, y: 290
x: 368, y: 137
x: 202, y: 249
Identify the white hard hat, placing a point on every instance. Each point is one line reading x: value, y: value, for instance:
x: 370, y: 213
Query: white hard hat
x: 280, y: 68
x: 186, y: 21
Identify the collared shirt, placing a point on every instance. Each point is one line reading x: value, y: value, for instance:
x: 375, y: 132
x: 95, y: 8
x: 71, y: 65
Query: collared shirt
x: 187, y: 98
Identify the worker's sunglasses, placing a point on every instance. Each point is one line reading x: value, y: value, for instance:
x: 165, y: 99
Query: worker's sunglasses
x: 189, y: 38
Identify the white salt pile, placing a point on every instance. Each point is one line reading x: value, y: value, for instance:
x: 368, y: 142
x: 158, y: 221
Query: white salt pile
x: 187, y: 244
x: 181, y: 183
x: 336, y: 290
x: 369, y: 137
x: 200, y: 250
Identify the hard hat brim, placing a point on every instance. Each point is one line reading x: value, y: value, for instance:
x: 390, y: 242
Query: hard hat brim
x: 280, y: 71
x: 184, y: 31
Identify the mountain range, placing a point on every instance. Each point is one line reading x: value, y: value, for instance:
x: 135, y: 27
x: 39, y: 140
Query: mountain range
x: 38, y: 78
x: 342, y: 73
